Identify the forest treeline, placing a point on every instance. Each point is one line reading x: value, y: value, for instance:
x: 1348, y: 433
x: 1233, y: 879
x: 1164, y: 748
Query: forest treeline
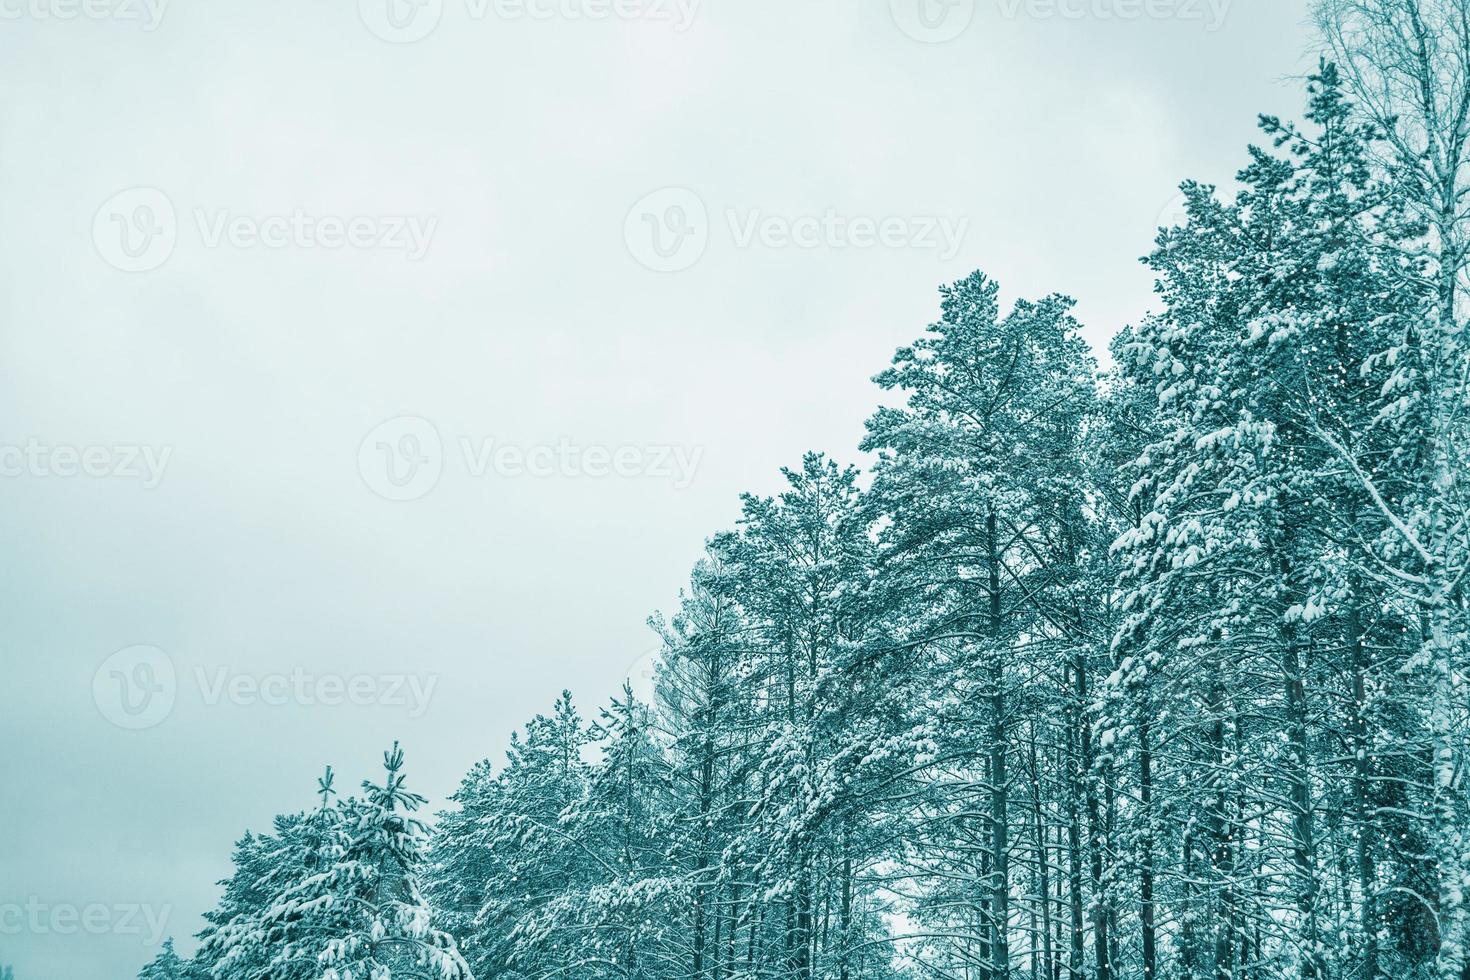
x: 1158, y: 672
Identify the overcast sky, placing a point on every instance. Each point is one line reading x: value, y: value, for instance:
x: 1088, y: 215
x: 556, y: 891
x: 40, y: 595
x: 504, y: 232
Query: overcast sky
x: 372, y: 374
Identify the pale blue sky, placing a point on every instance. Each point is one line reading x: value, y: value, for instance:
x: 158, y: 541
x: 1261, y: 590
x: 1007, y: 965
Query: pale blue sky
x: 257, y: 550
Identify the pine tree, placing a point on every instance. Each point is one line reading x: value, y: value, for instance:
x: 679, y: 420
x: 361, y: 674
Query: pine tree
x: 271, y: 921
x: 505, y: 854
x: 167, y: 965
x: 615, y: 920
x: 985, y: 494
x: 373, y: 885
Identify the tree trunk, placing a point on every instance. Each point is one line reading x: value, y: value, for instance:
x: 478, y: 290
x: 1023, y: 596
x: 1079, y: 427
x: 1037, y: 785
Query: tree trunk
x: 1000, y: 956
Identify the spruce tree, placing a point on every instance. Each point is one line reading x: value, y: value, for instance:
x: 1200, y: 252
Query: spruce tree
x: 371, y: 883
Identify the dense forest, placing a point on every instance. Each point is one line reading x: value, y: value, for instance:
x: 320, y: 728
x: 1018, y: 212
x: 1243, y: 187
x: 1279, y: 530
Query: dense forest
x: 1158, y: 671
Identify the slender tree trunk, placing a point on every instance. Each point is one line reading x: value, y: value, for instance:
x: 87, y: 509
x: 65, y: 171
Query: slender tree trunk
x: 1076, y: 960
x: 1303, y: 843
x: 1190, y: 951
x: 1043, y: 887
x: 1368, y: 968
x: 846, y: 920
x: 1222, y: 858
x: 1149, y: 941
x: 1000, y: 956
x: 1102, y: 948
